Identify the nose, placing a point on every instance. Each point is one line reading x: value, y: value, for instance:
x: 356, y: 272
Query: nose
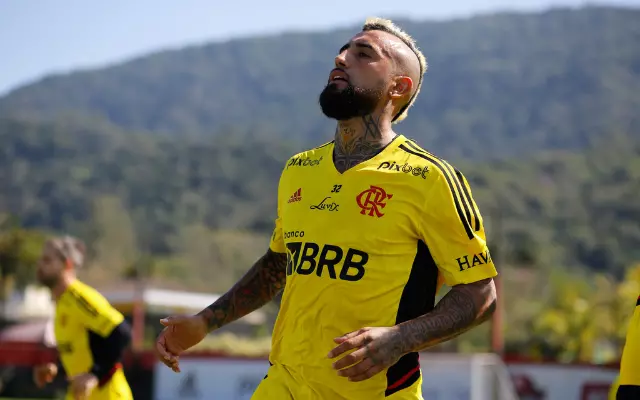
x: 341, y: 60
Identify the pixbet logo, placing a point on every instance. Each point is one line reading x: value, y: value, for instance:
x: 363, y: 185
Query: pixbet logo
x: 406, y: 168
x: 303, y: 162
x: 372, y: 200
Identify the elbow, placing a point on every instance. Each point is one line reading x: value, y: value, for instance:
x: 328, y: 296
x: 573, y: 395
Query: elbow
x: 490, y: 300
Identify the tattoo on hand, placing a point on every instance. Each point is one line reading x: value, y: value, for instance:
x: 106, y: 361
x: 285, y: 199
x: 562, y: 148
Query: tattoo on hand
x: 351, y: 149
x: 464, y: 307
x: 257, y: 287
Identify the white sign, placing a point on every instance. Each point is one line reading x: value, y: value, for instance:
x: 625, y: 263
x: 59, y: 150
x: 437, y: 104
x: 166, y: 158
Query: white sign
x: 211, y: 379
x: 445, y: 377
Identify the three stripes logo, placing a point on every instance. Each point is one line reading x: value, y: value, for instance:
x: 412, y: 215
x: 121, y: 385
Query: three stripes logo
x: 296, y: 196
x: 463, y: 201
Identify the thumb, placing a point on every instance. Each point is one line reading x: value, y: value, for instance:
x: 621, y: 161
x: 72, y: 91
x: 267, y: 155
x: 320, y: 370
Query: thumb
x: 173, y: 320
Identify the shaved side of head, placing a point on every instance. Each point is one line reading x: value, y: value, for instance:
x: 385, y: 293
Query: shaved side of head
x: 408, y: 58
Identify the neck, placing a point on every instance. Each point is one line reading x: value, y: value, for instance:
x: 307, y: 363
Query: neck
x: 359, y: 139
x: 61, y: 286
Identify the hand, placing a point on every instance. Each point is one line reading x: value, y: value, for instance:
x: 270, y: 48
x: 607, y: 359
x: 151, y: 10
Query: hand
x: 180, y: 334
x: 45, y: 373
x: 82, y: 385
x: 377, y: 349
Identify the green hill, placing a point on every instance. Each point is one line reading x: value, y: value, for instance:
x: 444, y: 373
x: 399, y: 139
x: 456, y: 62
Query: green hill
x: 173, y: 197
x: 498, y: 85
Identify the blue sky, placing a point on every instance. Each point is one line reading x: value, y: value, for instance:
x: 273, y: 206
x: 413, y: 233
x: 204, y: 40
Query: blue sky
x: 38, y: 37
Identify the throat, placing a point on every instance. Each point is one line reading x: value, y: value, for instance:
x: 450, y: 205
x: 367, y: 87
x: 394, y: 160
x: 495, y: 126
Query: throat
x: 358, y: 141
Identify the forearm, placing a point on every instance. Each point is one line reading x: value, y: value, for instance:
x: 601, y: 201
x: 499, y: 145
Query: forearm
x: 464, y: 307
x: 256, y: 288
x: 108, y: 351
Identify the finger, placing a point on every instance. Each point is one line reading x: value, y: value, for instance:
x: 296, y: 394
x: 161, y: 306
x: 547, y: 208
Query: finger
x: 351, y: 358
x: 353, y: 343
x: 357, y: 369
x: 161, y: 349
x: 367, y: 374
x: 349, y: 335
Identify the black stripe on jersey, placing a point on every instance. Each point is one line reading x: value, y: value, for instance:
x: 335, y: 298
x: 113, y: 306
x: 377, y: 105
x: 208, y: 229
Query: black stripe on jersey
x: 418, y: 298
x: 467, y: 196
x: 83, y: 303
x: 638, y: 301
x: 628, y: 392
x: 456, y: 198
x: 461, y: 183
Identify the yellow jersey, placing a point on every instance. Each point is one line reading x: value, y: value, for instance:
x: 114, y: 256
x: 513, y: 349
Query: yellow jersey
x: 630, y: 363
x: 83, y: 317
x: 369, y: 247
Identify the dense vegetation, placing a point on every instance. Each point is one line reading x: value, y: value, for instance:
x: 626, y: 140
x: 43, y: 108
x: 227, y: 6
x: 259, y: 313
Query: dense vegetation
x: 161, y: 194
x: 168, y: 165
x: 497, y: 85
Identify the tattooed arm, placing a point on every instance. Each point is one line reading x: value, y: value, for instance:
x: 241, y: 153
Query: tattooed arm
x: 464, y: 307
x: 257, y: 287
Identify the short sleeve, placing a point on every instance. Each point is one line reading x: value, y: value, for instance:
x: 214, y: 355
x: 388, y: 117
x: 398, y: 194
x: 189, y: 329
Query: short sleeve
x: 276, y: 243
x: 95, y: 312
x: 453, y: 230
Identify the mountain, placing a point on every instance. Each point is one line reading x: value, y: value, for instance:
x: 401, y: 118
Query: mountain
x: 497, y: 85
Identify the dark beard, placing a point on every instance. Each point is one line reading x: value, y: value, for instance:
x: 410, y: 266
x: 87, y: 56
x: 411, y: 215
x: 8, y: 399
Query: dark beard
x: 49, y: 281
x: 350, y: 102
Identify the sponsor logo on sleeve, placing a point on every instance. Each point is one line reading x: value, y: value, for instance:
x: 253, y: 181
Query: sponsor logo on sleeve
x: 474, y: 260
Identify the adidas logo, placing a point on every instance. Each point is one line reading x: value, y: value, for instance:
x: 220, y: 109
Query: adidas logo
x: 296, y: 196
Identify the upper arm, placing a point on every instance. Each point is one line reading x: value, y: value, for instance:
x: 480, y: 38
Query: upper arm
x: 95, y: 312
x: 453, y: 229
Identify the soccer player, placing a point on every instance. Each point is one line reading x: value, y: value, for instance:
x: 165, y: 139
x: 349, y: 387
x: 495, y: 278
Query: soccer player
x: 91, y: 335
x: 629, y: 379
x: 368, y: 228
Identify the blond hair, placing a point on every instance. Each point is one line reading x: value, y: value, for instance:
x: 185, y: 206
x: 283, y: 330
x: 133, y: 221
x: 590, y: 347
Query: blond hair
x: 385, y: 25
x: 70, y: 249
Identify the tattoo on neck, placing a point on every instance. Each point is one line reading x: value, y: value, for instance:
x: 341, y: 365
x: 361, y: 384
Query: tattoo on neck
x: 353, y: 147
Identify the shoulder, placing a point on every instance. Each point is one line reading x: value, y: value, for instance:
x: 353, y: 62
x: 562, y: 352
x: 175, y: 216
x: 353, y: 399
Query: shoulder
x: 310, y: 158
x: 433, y: 168
x: 87, y: 298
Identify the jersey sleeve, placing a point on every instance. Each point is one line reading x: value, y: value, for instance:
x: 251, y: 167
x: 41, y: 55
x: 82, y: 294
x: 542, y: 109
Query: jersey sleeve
x: 276, y: 243
x: 95, y: 312
x: 453, y: 230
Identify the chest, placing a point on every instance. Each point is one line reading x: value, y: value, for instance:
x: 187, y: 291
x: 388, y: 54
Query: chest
x: 367, y: 208
x: 68, y: 331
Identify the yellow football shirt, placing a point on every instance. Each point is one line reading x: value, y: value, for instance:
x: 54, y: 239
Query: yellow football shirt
x: 82, y: 313
x: 630, y: 363
x: 369, y: 247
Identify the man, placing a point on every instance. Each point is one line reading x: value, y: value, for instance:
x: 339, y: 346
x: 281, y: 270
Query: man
x: 369, y: 227
x: 91, y: 335
x: 628, y: 383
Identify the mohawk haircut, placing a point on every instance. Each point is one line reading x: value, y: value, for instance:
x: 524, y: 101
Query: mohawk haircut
x: 385, y: 25
x: 69, y: 248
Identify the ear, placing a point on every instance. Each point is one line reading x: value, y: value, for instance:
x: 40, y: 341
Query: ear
x: 401, y: 87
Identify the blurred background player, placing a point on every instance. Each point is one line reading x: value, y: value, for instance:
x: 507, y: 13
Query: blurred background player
x: 629, y: 380
x: 373, y: 226
x: 90, y: 334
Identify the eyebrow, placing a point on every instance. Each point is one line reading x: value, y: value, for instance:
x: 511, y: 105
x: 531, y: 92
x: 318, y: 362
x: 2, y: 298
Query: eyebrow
x: 364, y: 45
